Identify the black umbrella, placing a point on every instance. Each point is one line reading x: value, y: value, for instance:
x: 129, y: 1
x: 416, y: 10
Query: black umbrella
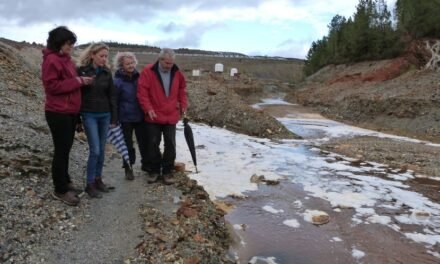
x: 190, y: 140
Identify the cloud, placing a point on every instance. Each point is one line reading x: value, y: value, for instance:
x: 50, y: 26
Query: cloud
x: 170, y: 27
x: 29, y: 11
x: 289, y: 48
x: 179, y: 24
x: 191, y: 37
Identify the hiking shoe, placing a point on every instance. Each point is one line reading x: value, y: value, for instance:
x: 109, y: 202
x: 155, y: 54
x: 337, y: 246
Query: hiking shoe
x: 72, y: 188
x: 92, y: 191
x: 68, y: 198
x: 152, y: 177
x: 100, y: 185
x: 168, y: 179
x: 129, y: 173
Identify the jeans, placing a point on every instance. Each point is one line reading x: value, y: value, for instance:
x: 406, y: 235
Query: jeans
x: 155, y: 160
x: 96, y: 127
x: 62, y: 127
x: 139, y: 131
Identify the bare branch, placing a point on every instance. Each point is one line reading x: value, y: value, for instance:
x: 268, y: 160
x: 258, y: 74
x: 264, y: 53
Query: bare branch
x: 434, y: 62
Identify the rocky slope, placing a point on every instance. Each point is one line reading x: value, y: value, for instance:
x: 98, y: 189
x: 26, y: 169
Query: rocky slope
x: 214, y: 99
x: 27, y: 213
x: 390, y: 95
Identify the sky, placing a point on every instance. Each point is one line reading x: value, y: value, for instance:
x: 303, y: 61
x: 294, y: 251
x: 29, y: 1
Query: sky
x: 253, y: 27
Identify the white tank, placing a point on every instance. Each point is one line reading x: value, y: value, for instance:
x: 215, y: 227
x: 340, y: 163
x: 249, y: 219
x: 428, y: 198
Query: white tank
x: 196, y: 73
x: 234, y: 71
x: 218, y: 67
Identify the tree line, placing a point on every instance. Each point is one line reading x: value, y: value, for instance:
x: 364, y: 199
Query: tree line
x: 372, y: 34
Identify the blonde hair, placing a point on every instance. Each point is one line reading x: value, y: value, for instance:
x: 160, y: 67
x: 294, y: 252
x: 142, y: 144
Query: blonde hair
x: 85, y: 58
x: 119, y: 59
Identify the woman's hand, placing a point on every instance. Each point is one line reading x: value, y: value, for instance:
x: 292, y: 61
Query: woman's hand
x: 87, y: 80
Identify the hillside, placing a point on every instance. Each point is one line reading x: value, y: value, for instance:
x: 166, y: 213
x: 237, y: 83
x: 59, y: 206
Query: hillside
x: 393, y: 95
x: 286, y: 70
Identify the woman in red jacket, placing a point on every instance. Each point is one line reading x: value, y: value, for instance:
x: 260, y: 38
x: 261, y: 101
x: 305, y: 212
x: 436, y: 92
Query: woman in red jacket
x: 63, y: 100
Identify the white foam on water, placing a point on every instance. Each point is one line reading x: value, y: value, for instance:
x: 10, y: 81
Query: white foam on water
x: 357, y: 254
x: 336, y: 239
x: 272, y: 210
x: 271, y: 101
x: 268, y: 260
x: 424, y: 238
x: 292, y: 223
x: 379, y: 219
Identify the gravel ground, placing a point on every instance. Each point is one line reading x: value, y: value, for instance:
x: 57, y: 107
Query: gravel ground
x: 111, y: 227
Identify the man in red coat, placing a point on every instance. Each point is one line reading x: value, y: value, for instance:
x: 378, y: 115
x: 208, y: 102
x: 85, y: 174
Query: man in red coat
x: 162, y: 96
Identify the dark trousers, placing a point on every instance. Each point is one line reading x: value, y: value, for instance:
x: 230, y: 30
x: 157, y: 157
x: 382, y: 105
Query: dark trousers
x: 155, y: 160
x: 139, y: 130
x: 62, y: 127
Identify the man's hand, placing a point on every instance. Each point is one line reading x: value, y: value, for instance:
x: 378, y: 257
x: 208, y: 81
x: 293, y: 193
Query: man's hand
x: 152, y: 114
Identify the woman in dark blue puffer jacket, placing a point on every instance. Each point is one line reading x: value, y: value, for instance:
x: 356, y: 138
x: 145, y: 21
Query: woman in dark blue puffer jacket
x: 130, y: 113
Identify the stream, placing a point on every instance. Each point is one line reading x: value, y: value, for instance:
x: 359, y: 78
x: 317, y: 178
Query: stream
x: 326, y: 208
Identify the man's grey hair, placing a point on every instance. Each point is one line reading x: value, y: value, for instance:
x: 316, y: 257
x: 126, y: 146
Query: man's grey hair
x: 167, y: 52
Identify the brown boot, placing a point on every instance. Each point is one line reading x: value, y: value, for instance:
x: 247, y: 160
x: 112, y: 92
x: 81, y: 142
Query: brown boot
x: 100, y: 185
x: 129, y: 173
x: 73, y: 188
x: 152, y: 177
x: 92, y: 191
x: 168, y: 179
x: 68, y: 198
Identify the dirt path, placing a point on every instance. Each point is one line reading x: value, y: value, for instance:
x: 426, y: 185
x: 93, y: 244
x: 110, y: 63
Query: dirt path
x: 113, y: 227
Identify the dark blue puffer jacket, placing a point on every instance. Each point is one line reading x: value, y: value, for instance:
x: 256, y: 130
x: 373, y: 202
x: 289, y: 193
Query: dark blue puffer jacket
x: 129, y: 109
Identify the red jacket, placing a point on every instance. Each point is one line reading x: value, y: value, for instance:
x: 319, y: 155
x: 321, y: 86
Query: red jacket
x: 61, y: 83
x: 151, y: 95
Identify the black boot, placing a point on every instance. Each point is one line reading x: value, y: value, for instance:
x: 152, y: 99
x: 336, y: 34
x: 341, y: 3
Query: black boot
x: 129, y: 173
x: 168, y: 179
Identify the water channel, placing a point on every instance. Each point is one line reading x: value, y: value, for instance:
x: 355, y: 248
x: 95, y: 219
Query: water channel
x: 374, y: 217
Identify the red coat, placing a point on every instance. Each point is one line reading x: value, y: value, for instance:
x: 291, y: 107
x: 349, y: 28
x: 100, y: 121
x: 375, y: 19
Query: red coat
x: 61, y: 83
x: 151, y: 95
